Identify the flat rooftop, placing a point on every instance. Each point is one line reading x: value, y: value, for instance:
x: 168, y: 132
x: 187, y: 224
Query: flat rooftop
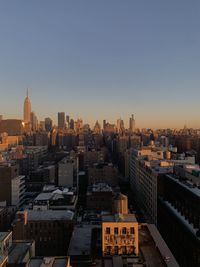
x: 80, y: 243
x: 186, y: 184
x: 99, y: 187
x: 119, y: 218
x: 49, y: 261
x: 50, y: 215
x: 56, y: 194
x: 125, y: 260
x: 43, y: 197
x: 49, y: 187
x: 154, y: 249
x: 18, y: 252
x: 162, y: 170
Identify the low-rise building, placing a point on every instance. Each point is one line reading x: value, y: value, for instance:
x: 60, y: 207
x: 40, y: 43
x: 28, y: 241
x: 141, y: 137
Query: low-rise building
x: 103, y: 173
x: 119, y: 234
x: 153, y: 251
x: 99, y: 197
x: 82, y: 245
x: 51, y: 230
x: 58, y: 199
x: 68, y: 171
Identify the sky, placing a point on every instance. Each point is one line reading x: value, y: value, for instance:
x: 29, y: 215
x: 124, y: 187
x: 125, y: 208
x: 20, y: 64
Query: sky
x: 102, y: 59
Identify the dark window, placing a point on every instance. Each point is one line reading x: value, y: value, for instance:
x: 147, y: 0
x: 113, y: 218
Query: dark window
x: 132, y: 231
x: 107, y: 230
x: 116, y: 231
x: 116, y: 250
x: 124, y: 230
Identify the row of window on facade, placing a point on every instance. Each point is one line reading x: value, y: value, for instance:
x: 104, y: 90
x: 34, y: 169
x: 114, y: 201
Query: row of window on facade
x: 123, y: 231
x: 119, y: 250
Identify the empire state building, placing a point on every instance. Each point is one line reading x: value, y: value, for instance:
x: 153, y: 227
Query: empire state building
x: 27, y: 109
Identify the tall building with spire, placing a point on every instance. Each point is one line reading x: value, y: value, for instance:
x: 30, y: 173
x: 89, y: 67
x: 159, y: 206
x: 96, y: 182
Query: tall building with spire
x: 27, y: 109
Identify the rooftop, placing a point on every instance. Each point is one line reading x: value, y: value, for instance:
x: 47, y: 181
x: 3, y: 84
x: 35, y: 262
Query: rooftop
x: 49, y: 262
x: 119, y: 218
x: 56, y: 194
x: 185, y: 183
x: 50, y: 215
x: 43, y: 196
x: 100, y: 187
x: 68, y: 159
x: 119, y: 260
x: 49, y: 188
x: 154, y: 249
x: 18, y: 251
x: 80, y: 243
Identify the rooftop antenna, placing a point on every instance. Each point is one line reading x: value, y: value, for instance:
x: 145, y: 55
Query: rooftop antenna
x: 27, y: 92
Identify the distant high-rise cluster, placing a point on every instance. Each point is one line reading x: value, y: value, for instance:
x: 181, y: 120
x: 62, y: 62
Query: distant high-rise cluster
x: 67, y: 124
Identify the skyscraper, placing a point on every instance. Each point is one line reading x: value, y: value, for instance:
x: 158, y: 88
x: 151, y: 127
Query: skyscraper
x: 61, y: 120
x: 34, y: 121
x: 132, y: 124
x: 67, y: 121
x: 27, y: 109
x: 48, y: 124
x: 97, y: 128
x: 120, y: 126
x: 71, y: 124
x: 104, y: 124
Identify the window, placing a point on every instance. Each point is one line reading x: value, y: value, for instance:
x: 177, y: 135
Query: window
x: 116, y: 230
x: 124, y: 230
x: 132, y: 231
x: 108, y: 250
x: 124, y: 250
x: 107, y: 230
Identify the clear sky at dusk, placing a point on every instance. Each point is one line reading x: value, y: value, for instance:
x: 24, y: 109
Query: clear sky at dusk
x: 102, y: 59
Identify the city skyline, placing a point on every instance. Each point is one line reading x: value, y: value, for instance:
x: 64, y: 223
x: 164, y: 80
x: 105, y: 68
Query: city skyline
x: 102, y: 60
x: 54, y: 116
x: 99, y: 133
